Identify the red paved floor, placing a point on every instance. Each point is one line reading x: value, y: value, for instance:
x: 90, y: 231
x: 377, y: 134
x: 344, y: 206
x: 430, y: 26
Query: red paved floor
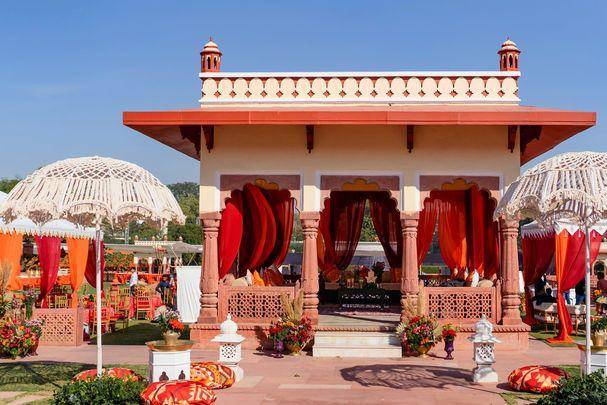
x: 304, y: 379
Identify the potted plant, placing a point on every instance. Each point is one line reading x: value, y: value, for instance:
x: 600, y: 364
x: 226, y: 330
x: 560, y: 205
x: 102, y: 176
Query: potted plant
x: 35, y: 328
x: 29, y: 297
x: 599, y: 331
x: 170, y: 326
x: 293, y: 329
x: 278, y: 334
x: 418, y: 334
x: 448, y: 335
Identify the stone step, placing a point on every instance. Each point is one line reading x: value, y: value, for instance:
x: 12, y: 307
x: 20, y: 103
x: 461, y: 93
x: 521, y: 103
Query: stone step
x: 356, y: 339
x: 356, y: 344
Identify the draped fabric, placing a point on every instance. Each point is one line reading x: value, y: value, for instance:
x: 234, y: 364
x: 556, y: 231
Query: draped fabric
x: 570, y: 263
x: 283, y: 209
x: 11, y: 249
x: 452, y: 231
x: 91, y: 264
x: 537, y: 256
x: 386, y: 222
x: 230, y: 232
x: 492, y: 248
x: 340, y: 226
x: 259, y: 229
x: 477, y: 230
x: 49, y: 254
x: 77, y: 250
x: 425, y: 229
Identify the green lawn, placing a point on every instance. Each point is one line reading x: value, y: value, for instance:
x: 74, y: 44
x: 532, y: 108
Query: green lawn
x: 137, y: 333
x: 538, y: 332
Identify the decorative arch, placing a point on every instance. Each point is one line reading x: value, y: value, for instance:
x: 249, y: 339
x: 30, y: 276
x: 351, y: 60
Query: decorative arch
x: 360, y: 182
x: 265, y: 181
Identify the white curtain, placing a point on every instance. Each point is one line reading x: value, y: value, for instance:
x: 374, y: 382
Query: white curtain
x: 188, y: 292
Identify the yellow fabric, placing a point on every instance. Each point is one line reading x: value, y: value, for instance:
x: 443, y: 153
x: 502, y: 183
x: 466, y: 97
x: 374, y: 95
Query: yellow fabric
x: 11, y: 249
x: 78, y: 250
x: 257, y: 280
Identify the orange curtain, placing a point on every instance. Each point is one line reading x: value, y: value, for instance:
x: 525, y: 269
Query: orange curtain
x: 452, y: 232
x: 11, y: 248
x: 78, y: 250
x: 570, y: 263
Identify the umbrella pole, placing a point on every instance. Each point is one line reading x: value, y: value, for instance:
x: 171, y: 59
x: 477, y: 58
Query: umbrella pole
x: 587, y: 301
x: 98, y: 292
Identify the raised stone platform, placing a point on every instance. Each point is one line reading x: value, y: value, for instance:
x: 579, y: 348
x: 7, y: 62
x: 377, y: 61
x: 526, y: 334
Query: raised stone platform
x: 357, y: 344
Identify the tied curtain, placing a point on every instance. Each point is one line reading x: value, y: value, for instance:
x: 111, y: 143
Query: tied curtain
x: 425, y: 229
x: 570, y: 263
x: 91, y: 264
x: 387, y: 225
x: 49, y: 254
x: 340, y: 227
x: 256, y: 226
x: 538, y: 252
x: 11, y: 249
x: 77, y: 250
x: 452, y: 231
x: 230, y: 232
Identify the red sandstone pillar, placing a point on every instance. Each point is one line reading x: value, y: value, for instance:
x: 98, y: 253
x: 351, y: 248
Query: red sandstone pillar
x: 409, y: 283
x: 509, y: 272
x: 210, y: 268
x: 309, y: 271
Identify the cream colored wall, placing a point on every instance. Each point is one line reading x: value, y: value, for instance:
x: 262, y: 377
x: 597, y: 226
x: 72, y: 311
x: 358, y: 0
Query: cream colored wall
x: 373, y: 150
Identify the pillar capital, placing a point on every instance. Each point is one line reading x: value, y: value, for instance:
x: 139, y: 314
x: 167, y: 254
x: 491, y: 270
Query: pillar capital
x: 210, y: 220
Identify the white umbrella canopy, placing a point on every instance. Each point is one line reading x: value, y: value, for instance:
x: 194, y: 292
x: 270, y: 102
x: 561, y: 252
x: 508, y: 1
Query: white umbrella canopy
x: 87, y: 191
x: 569, y: 187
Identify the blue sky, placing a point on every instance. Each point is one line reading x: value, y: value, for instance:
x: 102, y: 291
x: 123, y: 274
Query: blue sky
x: 69, y: 68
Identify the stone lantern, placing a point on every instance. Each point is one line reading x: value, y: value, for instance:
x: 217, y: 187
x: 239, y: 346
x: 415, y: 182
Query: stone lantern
x: 230, y: 352
x: 484, y: 354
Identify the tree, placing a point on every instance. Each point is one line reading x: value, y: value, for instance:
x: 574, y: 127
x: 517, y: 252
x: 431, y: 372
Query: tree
x: 6, y: 184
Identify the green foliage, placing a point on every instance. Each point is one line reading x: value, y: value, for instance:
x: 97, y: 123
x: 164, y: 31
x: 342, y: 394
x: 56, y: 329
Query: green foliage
x: 599, y: 324
x: 367, y: 233
x: 6, y: 185
x: 579, y: 390
x: 118, y: 261
x: 184, y: 189
x: 103, y: 390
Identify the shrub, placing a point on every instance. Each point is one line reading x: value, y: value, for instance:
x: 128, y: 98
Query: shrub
x: 105, y: 390
x: 579, y: 390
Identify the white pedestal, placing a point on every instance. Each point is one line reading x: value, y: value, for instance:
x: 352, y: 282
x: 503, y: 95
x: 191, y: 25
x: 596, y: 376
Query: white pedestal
x: 484, y: 373
x: 598, y: 361
x: 169, y: 365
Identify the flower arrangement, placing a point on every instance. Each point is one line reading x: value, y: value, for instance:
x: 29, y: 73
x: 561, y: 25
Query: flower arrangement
x: 29, y: 298
x: 295, y: 335
x: 418, y: 333
x: 19, y: 338
x: 169, y: 322
x: 449, y: 331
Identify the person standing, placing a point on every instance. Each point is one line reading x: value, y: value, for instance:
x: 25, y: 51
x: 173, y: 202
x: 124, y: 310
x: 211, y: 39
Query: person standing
x: 133, y: 281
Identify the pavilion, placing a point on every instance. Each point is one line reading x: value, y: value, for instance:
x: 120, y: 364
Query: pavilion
x: 426, y: 150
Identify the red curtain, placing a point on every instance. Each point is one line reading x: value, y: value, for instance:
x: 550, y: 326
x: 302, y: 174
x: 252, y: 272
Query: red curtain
x: 452, y: 231
x: 476, y: 229
x: 386, y: 221
x: 340, y: 226
x: 91, y: 264
x: 425, y: 229
x: 492, y: 247
x: 259, y: 229
x: 537, y: 256
x: 49, y: 254
x: 570, y: 263
x: 230, y: 232
x: 283, y: 211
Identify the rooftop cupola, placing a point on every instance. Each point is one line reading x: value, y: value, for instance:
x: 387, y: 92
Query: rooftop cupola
x: 509, y: 53
x: 210, y: 57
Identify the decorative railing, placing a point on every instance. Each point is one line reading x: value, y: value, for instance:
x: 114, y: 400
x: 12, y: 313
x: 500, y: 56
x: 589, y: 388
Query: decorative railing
x: 62, y: 327
x: 252, y: 304
x: 462, y: 304
x: 367, y: 87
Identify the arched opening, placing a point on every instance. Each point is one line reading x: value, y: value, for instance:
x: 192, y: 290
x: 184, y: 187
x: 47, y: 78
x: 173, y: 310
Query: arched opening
x: 215, y: 62
x: 510, y: 62
x: 208, y: 62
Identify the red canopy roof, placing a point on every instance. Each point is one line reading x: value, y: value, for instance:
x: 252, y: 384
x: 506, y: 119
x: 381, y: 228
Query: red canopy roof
x: 541, y: 129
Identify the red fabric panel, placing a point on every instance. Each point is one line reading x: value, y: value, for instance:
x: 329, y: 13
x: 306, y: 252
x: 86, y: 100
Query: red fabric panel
x: 386, y: 221
x: 326, y: 250
x: 452, y: 231
x: 340, y: 226
x: 492, y: 242
x: 425, y: 229
x: 570, y: 265
x: 537, y: 256
x: 283, y: 209
x: 49, y: 254
x: 230, y: 232
x: 91, y: 264
x: 259, y: 229
x: 476, y: 230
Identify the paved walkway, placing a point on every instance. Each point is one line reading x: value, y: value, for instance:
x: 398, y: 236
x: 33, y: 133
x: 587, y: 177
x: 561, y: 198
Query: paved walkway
x: 305, y: 379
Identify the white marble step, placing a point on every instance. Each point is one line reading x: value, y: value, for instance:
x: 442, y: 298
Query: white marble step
x: 356, y: 344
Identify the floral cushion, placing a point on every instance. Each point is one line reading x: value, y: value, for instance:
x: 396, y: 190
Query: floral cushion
x: 212, y: 375
x: 540, y: 379
x: 177, y: 393
x: 124, y: 374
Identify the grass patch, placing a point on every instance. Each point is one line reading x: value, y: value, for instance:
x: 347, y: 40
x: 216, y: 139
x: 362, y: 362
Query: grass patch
x: 47, y: 376
x: 538, y: 332
x: 137, y: 333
